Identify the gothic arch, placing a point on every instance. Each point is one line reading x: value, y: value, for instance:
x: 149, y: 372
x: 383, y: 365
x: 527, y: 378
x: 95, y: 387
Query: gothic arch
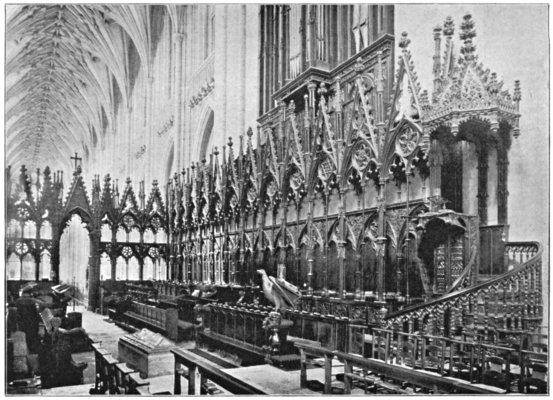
x: 170, y: 161
x: 205, y: 130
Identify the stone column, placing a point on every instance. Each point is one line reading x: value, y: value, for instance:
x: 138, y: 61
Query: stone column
x: 341, y: 268
x: 94, y: 269
x: 180, y: 137
x: 310, y: 269
x: 502, y: 192
x: 381, y: 239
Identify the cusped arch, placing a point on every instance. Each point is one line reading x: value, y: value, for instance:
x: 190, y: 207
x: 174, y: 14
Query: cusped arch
x: 391, y: 147
x: 85, y: 217
x: 288, y: 239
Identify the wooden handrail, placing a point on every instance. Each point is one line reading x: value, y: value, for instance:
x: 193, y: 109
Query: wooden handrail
x: 419, y: 378
x: 453, y: 296
x: 211, y: 371
x: 466, y: 272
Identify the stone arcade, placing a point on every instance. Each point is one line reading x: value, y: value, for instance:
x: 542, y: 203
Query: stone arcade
x: 362, y: 228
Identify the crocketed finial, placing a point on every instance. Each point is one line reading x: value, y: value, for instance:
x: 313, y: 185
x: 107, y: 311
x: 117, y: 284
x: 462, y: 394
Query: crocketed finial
x: 449, y: 26
x: 404, y: 41
x: 437, y: 31
x: 467, y: 34
x: 517, y: 94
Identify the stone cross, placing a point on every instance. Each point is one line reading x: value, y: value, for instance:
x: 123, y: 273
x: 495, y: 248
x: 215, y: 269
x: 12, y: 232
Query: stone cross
x: 76, y: 158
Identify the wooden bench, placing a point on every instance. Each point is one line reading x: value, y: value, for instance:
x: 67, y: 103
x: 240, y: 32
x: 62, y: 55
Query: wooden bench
x: 200, y: 369
x: 101, y: 384
x: 164, y: 321
x: 307, y: 355
x: 114, y: 377
x: 137, y: 385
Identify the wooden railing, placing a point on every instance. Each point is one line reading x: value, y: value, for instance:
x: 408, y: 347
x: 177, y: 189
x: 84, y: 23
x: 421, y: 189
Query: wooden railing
x: 500, y: 364
x: 384, y: 377
x: 199, y: 370
x: 474, y: 362
x: 511, y: 300
x: 467, y: 276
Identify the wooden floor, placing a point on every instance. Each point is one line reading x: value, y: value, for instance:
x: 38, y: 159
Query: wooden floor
x: 267, y: 377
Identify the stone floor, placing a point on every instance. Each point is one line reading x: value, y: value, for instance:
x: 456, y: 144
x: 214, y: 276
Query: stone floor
x: 267, y: 377
x: 102, y: 329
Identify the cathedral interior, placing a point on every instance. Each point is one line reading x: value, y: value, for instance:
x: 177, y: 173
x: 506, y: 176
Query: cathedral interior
x: 268, y: 199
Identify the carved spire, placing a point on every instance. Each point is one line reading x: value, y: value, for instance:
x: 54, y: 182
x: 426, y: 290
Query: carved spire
x: 467, y: 34
x: 437, y: 68
x: 379, y: 90
x: 516, y: 98
x: 449, y: 29
x: 141, y: 194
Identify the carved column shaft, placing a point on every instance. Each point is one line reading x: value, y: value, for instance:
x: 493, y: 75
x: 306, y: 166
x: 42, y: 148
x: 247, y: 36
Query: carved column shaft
x: 381, y: 241
x: 502, y: 192
x: 435, y: 162
x: 94, y: 269
x: 310, y: 269
x: 483, y: 184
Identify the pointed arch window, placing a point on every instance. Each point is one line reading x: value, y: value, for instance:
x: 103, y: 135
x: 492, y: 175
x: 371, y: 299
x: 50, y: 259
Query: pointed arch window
x: 28, y: 268
x: 14, y: 229
x: 149, y: 236
x: 148, y: 271
x: 46, y: 230
x: 161, y: 237
x: 134, y: 235
x: 133, y: 269
x: 105, y: 267
x: 106, y: 233
x: 13, y: 267
x: 121, y: 269
x: 45, y: 267
x: 161, y: 270
x: 121, y: 236
x: 29, y: 229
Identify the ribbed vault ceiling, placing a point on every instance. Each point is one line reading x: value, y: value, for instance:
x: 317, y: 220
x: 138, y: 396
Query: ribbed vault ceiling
x: 67, y: 66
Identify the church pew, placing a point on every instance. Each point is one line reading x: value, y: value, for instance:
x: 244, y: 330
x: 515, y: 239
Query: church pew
x: 101, y: 383
x: 220, y: 321
x: 163, y: 321
x: 142, y: 292
x: 114, y: 377
x: 137, y: 385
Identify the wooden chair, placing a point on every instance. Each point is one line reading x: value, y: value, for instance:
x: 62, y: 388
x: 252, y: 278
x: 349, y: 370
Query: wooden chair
x: 462, y: 361
x: 381, y: 345
x: 433, y: 351
x: 496, y: 367
x: 534, y: 372
x: 407, y: 346
x: 536, y: 382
